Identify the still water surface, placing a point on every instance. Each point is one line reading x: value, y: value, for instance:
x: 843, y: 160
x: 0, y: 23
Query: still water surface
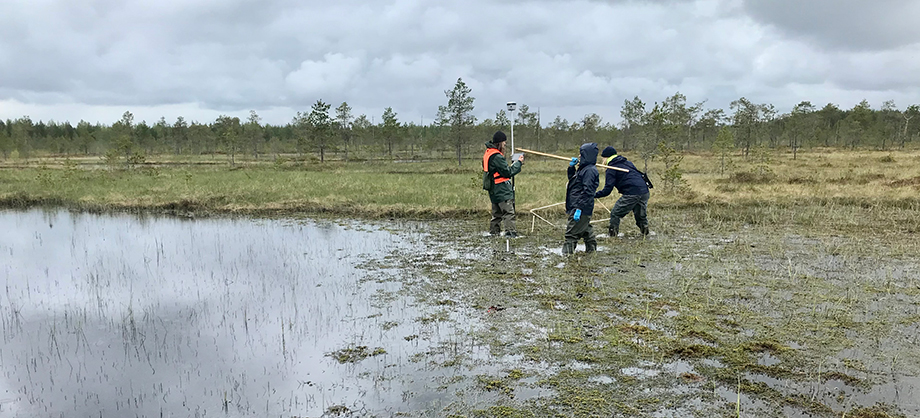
x: 119, y: 315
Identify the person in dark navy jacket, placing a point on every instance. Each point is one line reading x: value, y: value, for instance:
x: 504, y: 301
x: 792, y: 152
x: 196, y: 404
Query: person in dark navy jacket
x: 579, y: 200
x: 632, y: 187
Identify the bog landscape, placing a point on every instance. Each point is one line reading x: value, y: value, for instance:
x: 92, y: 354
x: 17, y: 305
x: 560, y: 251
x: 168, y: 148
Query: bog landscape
x: 339, y: 267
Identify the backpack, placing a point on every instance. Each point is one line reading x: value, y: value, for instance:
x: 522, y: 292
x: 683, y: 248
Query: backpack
x: 647, y: 181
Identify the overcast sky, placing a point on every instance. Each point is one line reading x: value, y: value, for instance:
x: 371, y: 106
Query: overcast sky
x: 94, y: 59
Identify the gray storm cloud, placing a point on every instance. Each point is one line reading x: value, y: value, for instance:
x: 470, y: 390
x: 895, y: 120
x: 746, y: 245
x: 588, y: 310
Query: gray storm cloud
x: 567, y: 57
x: 843, y: 24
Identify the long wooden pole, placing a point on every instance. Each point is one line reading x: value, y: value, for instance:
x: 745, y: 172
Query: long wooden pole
x: 559, y: 157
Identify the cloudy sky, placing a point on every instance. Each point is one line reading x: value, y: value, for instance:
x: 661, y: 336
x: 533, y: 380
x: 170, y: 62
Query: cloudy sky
x: 94, y: 59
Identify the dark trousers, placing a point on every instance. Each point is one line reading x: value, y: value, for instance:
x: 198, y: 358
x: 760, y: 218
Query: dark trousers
x: 635, y: 203
x: 502, y: 211
x: 580, y: 229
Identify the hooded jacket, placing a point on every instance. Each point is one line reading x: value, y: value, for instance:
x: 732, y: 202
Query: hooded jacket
x: 579, y: 193
x: 497, y: 164
x: 630, y: 183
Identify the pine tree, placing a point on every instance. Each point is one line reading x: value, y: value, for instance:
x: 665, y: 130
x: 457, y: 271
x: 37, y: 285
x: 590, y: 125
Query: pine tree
x: 458, y: 114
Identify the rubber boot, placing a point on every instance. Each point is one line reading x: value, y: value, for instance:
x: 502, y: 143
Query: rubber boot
x: 590, y: 247
x: 643, y: 230
x: 613, y: 232
x: 568, y: 248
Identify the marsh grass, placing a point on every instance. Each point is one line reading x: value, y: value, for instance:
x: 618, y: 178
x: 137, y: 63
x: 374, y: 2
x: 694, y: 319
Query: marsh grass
x: 748, y: 307
x: 826, y: 179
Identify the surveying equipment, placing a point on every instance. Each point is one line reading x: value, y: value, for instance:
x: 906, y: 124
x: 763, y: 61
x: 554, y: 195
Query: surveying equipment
x: 512, y: 106
x: 559, y: 157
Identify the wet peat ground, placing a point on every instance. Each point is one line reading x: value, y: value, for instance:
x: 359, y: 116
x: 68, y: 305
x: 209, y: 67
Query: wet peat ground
x: 147, y: 316
x: 741, y: 320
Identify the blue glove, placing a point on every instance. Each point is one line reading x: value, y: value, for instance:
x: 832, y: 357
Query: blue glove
x: 573, y: 162
x: 577, y: 215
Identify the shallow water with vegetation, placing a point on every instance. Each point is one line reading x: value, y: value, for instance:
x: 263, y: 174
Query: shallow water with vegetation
x: 720, y: 319
x: 758, y: 310
x: 120, y: 315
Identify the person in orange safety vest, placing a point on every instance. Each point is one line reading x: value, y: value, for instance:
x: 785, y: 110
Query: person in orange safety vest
x: 497, y: 176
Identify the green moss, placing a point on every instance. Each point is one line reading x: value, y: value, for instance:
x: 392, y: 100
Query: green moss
x: 875, y: 411
x: 584, y: 402
x: 454, y: 362
x: 354, y: 354
x: 502, y: 411
x: 845, y: 378
x: 439, y: 316
x: 691, y: 351
x: 565, y: 338
x: 764, y: 346
x: 490, y: 384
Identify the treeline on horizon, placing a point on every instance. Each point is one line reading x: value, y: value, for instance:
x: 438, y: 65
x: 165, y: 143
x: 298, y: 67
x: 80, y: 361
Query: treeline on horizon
x: 324, y: 133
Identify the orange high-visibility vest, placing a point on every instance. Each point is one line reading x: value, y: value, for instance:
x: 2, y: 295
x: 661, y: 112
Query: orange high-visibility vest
x: 485, y: 164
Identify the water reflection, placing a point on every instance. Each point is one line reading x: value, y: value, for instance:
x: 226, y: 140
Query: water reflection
x: 120, y: 316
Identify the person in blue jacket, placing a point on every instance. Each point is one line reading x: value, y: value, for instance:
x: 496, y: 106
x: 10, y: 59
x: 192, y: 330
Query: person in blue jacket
x: 631, y: 186
x: 579, y: 200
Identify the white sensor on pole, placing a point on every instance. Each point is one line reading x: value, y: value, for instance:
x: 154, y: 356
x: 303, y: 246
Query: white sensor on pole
x: 511, y: 108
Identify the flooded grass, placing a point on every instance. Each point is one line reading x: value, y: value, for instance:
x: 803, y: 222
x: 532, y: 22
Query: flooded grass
x: 771, y: 320
x: 149, y: 316
x: 711, y: 316
x: 355, y: 354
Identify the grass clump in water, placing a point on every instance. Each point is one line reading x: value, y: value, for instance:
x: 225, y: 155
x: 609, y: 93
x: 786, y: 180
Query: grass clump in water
x: 500, y: 411
x: 355, y: 354
x: 876, y: 411
x: 337, y: 410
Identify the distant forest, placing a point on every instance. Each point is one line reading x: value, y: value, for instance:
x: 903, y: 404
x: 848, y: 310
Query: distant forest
x: 324, y: 133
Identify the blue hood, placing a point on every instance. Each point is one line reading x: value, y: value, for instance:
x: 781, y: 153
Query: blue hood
x: 588, y: 154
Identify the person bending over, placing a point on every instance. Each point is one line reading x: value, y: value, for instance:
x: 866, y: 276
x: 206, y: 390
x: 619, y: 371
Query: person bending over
x: 633, y: 188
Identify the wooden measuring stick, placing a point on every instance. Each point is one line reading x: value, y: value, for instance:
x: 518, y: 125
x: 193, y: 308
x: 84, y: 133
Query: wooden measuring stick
x: 559, y: 157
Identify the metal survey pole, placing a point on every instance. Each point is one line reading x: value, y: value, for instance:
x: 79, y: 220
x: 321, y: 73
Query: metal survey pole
x: 511, y: 108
